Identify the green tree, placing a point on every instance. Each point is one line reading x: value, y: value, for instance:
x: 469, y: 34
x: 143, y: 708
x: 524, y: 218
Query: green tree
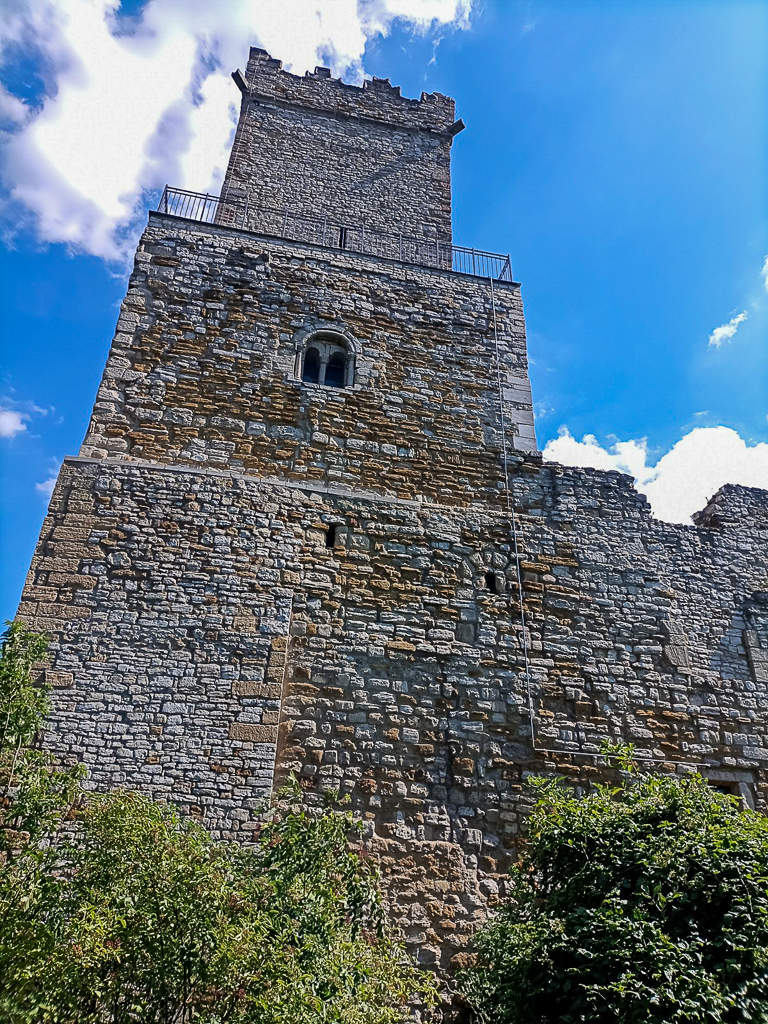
x: 638, y: 904
x: 34, y: 798
x: 115, y: 909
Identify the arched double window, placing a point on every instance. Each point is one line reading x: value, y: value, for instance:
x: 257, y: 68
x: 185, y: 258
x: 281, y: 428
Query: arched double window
x: 327, y: 360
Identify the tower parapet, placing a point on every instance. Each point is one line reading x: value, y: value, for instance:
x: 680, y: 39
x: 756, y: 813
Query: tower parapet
x: 360, y: 155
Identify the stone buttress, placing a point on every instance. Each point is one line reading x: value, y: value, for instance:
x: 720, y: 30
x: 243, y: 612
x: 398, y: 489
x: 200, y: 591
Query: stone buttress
x: 251, y: 571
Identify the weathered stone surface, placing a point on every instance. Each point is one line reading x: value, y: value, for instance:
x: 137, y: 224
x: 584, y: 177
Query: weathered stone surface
x: 248, y: 733
x: 247, y: 576
x: 419, y: 422
x: 412, y: 697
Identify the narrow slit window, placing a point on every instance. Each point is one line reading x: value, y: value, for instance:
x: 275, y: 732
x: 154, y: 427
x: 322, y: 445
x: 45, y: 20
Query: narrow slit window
x: 724, y: 788
x: 742, y: 790
x: 343, y: 237
x: 491, y: 583
x: 311, y: 370
x: 330, y: 536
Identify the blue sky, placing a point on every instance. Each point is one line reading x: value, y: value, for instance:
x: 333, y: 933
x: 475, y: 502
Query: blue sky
x: 617, y: 150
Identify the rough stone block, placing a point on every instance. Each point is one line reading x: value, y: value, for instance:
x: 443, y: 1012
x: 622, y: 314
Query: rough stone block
x: 248, y: 733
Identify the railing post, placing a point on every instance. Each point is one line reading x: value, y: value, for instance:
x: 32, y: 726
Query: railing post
x: 362, y: 238
x: 285, y: 223
x: 401, y: 246
x: 325, y: 221
x: 474, y: 271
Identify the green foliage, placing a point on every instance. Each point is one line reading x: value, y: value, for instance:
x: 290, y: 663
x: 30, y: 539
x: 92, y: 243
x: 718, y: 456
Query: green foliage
x: 126, y: 912
x: 23, y: 706
x: 146, y: 918
x: 33, y: 794
x: 645, y: 903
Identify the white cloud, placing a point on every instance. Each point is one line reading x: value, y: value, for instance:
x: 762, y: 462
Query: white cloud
x: 764, y: 272
x: 11, y: 108
x: 11, y: 422
x: 727, y: 331
x: 133, y: 104
x: 625, y: 456
x: 46, y: 487
x: 685, y: 478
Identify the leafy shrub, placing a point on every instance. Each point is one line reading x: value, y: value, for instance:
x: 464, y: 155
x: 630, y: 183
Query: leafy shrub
x: 641, y: 904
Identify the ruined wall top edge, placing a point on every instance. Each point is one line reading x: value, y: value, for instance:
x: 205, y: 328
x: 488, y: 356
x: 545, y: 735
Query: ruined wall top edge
x: 377, y: 98
x: 733, y: 506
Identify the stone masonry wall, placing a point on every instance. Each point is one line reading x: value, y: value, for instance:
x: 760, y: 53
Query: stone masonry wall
x: 245, y: 576
x: 203, y: 367
x: 206, y: 637
x: 316, y: 146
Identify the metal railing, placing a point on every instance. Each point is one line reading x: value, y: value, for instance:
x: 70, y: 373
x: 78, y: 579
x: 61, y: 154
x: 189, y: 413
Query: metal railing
x: 298, y: 227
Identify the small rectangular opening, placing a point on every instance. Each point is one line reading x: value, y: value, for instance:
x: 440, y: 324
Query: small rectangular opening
x: 723, y: 787
x: 491, y: 582
x: 743, y: 790
x: 343, y: 232
x: 330, y: 536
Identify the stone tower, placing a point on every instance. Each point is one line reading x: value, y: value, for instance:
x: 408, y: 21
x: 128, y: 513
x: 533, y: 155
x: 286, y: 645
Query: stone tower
x: 309, y: 531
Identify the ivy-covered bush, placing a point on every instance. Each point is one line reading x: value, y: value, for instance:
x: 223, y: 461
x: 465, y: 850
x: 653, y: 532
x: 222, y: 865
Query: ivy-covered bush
x: 645, y: 903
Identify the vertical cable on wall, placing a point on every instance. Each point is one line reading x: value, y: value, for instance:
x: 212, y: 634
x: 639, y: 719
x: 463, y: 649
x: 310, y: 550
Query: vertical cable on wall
x: 512, y: 516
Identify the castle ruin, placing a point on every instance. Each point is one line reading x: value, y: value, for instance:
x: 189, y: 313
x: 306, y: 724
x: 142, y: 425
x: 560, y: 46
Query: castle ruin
x: 309, y: 530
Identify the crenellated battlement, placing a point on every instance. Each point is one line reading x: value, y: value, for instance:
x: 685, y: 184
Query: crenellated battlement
x: 376, y: 98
